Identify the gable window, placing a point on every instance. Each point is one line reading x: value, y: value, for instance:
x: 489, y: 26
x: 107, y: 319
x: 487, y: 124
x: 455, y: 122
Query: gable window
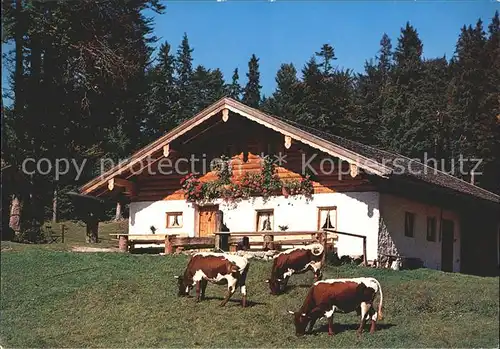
x: 409, y: 224
x: 327, y: 217
x: 174, y: 220
x: 265, y: 220
x: 431, y: 228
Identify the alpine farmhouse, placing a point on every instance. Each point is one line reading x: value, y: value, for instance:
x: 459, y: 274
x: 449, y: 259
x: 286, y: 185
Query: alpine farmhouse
x: 403, y: 207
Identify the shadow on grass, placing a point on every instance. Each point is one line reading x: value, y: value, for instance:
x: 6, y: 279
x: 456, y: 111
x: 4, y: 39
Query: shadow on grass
x: 250, y: 303
x: 339, y: 328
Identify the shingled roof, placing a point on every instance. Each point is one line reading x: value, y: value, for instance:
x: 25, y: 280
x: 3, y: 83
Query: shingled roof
x: 402, y: 165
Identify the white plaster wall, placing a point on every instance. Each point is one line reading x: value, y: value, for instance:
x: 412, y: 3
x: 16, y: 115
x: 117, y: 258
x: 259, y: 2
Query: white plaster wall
x: 357, y: 212
x: 393, y: 208
x: 147, y: 213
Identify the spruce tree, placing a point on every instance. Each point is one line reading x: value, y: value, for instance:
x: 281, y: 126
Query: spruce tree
x: 327, y: 54
x: 371, y: 94
x: 163, y: 96
x: 406, y: 126
x: 251, y: 92
x: 284, y: 100
x: 184, y: 78
x: 234, y: 88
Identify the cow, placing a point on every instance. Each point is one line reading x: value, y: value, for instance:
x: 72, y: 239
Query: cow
x: 295, y: 261
x: 328, y: 296
x: 217, y: 268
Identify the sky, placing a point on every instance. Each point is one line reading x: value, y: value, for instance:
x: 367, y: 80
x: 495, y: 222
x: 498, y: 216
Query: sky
x: 225, y: 34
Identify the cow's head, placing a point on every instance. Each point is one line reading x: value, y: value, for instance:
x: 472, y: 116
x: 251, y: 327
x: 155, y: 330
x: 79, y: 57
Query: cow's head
x: 274, y: 285
x: 184, y: 287
x: 301, y: 320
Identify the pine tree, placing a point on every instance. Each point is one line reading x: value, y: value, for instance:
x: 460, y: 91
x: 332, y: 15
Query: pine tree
x: 371, y: 94
x: 234, y: 88
x: 209, y: 87
x: 284, y: 100
x: 184, y: 78
x: 406, y: 127
x: 251, y: 92
x: 473, y: 106
x: 327, y: 53
x: 163, y: 98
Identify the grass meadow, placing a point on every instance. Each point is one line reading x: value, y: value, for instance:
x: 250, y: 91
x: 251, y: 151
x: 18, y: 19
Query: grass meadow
x: 55, y: 298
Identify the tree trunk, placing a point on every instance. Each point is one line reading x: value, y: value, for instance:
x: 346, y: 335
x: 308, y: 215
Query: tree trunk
x: 15, y: 214
x: 92, y: 229
x: 54, y: 204
x: 118, y: 214
x: 18, y: 37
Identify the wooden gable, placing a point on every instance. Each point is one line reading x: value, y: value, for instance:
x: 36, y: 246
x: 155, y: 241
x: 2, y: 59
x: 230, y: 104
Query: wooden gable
x: 244, y: 142
x: 231, y: 128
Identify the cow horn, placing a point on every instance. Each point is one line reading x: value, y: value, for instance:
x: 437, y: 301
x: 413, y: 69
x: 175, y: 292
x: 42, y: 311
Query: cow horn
x: 267, y: 280
x: 304, y: 314
x: 176, y: 276
x: 291, y: 312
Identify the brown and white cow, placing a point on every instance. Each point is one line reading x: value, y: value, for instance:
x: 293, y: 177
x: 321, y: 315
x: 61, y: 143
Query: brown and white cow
x: 329, y: 296
x: 217, y: 268
x: 295, y: 261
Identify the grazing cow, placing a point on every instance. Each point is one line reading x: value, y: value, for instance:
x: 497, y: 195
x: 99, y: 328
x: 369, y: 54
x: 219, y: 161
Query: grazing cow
x: 295, y: 261
x: 339, y: 295
x: 217, y: 268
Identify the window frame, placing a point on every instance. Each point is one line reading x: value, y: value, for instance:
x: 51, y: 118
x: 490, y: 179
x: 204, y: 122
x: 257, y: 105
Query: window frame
x: 174, y: 213
x: 326, y: 208
x: 409, y: 214
x: 260, y: 212
x: 431, y: 237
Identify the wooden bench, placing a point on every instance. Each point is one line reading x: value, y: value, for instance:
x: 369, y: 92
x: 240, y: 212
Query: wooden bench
x: 125, y: 241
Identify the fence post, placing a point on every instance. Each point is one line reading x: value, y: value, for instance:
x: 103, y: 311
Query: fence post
x: 63, y: 228
x: 123, y: 243
x: 365, y: 260
x: 168, y: 244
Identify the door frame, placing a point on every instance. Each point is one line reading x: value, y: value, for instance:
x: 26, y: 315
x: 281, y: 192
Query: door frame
x: 451, y: 245
x: 198, y: 210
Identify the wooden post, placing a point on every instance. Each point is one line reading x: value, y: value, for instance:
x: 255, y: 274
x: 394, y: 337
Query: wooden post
x: 268, y: 242
x: 222, y: 240
x: 324, y: 238
x: 123, y: 243
x: 63, y: 228
x: 168, y: 244
x: 365, y: 260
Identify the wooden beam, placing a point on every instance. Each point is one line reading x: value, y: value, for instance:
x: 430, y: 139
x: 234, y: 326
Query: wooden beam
x: 288, y: 142
x: 225, y: 115
x: 130, y: 187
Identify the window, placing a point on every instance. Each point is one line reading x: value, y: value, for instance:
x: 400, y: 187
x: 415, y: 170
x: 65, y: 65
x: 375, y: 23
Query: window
x: 265, y: 220
x: 409, y: 224
x: 174, y: 220
x: 431, y: 228
x: 327, y: 217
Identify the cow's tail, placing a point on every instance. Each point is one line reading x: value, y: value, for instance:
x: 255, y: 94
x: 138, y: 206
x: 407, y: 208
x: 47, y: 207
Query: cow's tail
x: 379, y: 312
x: 317, y: 249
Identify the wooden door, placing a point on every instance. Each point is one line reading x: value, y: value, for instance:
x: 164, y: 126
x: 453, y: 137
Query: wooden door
x: 447, y: 245
x: 207, y: 220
